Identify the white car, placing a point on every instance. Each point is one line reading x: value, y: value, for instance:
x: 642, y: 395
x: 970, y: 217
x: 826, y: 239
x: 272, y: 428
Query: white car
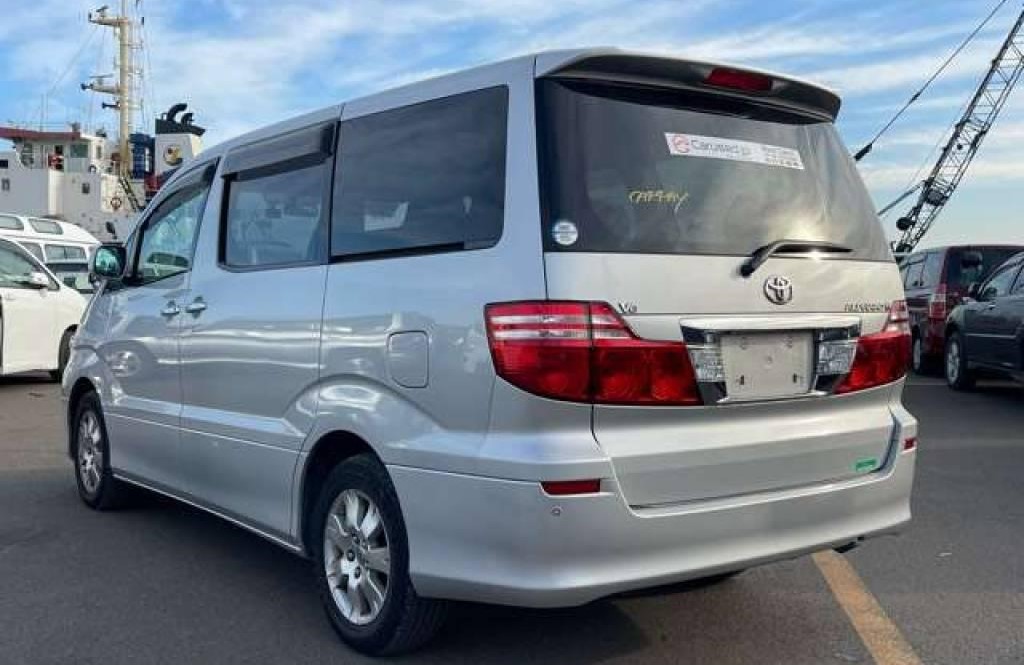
x: 38, y: 315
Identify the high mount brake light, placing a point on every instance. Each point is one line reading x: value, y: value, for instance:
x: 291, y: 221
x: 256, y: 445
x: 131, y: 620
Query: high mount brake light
x: 585, y: 352
x: 883, y: 357
x: 734, y: 79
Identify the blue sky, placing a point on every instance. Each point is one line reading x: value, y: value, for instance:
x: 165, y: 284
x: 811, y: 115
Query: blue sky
x: 242, y: 63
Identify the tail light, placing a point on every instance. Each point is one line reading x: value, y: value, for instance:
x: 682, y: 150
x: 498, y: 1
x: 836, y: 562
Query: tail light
x: 883, y: 357
x: 735, y: 79
x: 938, y: 303
x: 585, y: 352
x: 571, y: 487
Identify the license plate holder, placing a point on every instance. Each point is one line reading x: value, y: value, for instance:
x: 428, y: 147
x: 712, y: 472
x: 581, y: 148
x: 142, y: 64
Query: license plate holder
x: 767, y: 365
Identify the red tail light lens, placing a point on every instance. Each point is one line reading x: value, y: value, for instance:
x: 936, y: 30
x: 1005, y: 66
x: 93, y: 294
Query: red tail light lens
x: 938, y: 304
x: 569, y: 487
x: 722, y: 77
x: 883, y: 357
x: 585, y: 352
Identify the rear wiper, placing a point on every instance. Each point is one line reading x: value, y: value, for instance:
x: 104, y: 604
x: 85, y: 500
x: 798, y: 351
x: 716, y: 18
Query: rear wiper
x: 761, y: 254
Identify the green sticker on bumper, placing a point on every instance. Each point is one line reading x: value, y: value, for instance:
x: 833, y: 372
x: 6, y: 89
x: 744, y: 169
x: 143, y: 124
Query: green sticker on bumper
x: 864, y: 465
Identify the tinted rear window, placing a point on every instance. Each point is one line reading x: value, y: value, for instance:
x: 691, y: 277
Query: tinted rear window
x: 654, y: 171
x: 959, y: 275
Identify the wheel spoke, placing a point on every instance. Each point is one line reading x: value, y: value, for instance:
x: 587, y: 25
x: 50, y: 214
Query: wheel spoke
x: 374, y: 594
x: 351, y: 512
x: 355, y: 597
x: 378, y: 558
x: 371, y: 522
x: 336, y: 532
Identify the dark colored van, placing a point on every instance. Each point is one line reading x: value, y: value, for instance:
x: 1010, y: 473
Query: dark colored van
x: 936, y: 280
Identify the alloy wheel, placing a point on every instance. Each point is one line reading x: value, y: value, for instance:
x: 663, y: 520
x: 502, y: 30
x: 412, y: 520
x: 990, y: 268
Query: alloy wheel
x: 953, y: 362
x: 90, y: 452
x: 357, y: 558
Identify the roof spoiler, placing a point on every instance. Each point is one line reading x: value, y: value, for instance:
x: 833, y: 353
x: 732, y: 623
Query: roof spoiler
x: 747, y: 84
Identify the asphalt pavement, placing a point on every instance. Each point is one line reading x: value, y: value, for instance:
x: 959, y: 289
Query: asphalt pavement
x: 163, y: 583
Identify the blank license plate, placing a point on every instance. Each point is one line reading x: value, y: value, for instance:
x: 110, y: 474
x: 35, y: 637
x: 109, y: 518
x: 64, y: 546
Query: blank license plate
x: 766, y: 365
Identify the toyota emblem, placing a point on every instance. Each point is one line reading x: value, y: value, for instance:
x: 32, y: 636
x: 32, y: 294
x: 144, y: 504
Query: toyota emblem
x: 778, y: 289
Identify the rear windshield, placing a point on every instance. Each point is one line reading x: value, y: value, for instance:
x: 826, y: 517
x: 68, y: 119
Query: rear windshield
x: 668, y: 172
x: 961, y: 273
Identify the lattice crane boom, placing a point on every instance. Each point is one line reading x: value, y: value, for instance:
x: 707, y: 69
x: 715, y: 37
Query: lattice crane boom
x: 963, y: 143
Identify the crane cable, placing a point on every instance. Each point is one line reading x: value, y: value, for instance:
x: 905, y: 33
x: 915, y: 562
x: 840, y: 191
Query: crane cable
x: 860, y: 154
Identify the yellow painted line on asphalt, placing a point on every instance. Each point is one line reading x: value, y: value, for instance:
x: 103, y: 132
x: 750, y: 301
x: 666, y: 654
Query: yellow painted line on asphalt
x: 883, y: 639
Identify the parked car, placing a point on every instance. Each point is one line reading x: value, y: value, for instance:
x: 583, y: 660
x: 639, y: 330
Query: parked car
x: 48, y: 239
x: 38, y: 314
x: 936, y: 281
x: 986, y: 332
x: 533, y: 333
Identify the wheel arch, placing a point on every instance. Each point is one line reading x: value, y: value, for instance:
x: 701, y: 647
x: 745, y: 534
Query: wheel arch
x: 82, y: 387
x: 331, y: 449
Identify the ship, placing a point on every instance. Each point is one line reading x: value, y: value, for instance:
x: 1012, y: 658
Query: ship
x: 98, y: 182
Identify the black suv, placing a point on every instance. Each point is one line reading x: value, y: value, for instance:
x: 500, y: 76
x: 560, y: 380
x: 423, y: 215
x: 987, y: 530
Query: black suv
x: 986, y: 332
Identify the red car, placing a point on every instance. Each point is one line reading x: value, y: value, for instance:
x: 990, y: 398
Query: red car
x: 936, y: 280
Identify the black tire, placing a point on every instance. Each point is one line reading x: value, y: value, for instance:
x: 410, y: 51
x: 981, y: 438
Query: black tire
x: 959, y: 376
x: 404, y: 621
x: 63, y: 355
x: 107, y: 493
x: 922, y: 363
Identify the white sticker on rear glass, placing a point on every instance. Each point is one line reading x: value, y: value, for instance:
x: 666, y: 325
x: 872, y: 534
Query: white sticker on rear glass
x: 565, y: 232
x: 692, y: 145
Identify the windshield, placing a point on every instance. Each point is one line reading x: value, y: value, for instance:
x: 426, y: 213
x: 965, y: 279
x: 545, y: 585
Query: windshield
x: 660, y: 171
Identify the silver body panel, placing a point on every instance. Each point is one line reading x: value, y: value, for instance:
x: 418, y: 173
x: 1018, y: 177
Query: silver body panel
x: 224, y: 408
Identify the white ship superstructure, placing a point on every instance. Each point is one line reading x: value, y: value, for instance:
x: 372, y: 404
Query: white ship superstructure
x: 89, y: 178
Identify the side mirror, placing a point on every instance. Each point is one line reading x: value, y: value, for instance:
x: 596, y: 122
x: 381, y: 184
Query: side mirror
x: 108, y: 262
x: 38, y: 280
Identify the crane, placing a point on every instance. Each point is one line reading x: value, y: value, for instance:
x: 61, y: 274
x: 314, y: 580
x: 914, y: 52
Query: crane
x: 968, y: 133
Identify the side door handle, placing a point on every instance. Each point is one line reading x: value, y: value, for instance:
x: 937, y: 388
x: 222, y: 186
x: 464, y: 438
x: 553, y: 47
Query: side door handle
x: 170, y: 310
x: 196, y: 307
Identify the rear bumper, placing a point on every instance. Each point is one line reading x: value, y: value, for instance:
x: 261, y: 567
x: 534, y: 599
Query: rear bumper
x: 505, y: 541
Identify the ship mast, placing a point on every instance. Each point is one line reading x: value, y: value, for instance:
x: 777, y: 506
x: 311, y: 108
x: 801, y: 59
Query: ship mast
x: 123, y: 91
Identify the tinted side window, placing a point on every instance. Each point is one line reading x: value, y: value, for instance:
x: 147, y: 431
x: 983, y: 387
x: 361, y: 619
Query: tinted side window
x: 914, y: 272
x: 168, y: 238
x: 34, y: 249
x: 15, y: 267
x: 11, y: 223
x: 1000, y: 283
x: 64, y: 253
x: 277, y: 219
x: 431, y: 175
x: 1018, y: 286
x: 46, y: 226
x: 932, y: 269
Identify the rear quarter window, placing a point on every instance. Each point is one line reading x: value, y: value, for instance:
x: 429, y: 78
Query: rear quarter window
x: 422, y: 177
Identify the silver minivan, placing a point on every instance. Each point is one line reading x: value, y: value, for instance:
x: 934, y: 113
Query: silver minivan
x: 534, y: 333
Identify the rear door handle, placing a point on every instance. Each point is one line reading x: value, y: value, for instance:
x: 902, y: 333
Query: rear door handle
x: 196, y: 307
x: 170, y: 310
